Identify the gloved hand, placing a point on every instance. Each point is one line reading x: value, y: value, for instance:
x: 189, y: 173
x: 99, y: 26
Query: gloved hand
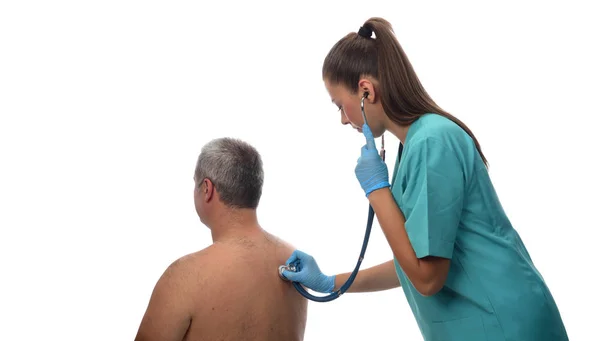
x: 308, y: 273
x: 371, y: 171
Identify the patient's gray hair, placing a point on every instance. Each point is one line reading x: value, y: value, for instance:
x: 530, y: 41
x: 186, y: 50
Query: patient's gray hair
x: 235, y: 169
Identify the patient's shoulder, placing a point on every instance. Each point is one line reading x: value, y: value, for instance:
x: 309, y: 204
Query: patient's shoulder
x: 188, y: 268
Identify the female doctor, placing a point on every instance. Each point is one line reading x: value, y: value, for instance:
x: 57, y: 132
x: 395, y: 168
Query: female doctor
x: 463, y: 268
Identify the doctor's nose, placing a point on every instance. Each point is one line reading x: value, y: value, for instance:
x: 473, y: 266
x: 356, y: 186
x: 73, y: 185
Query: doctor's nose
x: 344, y: 119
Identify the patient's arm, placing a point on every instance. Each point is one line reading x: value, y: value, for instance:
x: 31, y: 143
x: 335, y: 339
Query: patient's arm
x: 377, y: 278
x: 168, y: 315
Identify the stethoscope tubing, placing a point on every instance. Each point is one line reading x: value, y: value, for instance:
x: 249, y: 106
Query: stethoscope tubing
x: 336, y: 294
x: 350, y: 280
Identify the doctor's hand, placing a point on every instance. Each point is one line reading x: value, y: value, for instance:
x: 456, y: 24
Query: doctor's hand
x: 308, y: 273
x: 371, y: 171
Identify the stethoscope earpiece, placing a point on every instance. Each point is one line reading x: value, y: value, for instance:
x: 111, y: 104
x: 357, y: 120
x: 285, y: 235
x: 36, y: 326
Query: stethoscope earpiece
x: 362, y: 106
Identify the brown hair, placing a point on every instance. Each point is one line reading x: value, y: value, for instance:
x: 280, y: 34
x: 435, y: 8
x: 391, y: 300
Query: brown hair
x: 403, y: 97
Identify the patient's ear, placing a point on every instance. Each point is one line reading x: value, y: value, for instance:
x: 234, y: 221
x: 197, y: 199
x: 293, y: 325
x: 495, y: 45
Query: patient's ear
x: 207, y: 190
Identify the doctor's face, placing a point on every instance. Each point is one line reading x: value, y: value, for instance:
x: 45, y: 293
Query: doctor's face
x: 348, y: 104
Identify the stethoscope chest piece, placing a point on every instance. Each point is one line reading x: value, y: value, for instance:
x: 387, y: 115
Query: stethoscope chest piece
x: 282, y: 268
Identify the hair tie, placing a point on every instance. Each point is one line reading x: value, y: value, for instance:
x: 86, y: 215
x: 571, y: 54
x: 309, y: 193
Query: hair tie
x: 365, y: 32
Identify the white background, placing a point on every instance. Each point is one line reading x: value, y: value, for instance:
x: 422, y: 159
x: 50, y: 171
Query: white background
x: 105, y: 106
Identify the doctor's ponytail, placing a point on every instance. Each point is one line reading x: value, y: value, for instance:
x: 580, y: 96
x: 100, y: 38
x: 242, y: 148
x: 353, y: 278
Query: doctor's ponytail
x: 403, y: 97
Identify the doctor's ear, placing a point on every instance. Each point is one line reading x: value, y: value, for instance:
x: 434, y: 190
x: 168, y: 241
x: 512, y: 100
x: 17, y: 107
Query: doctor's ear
x: 367, y: 90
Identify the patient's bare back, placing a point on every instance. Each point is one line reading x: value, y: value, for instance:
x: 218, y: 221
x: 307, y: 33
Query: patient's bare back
x: 239, y: 295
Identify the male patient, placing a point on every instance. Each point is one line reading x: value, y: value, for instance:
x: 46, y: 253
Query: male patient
x: 230, y: 290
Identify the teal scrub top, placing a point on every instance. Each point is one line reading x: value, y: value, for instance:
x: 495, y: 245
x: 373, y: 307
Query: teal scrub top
x: 493, y: 290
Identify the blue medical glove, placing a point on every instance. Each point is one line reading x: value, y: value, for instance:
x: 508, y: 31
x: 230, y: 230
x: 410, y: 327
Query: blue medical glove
x: 371, y: 171
x: 308, y: 273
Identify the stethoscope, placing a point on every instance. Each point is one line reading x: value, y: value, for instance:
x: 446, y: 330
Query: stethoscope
x: 371, y: 216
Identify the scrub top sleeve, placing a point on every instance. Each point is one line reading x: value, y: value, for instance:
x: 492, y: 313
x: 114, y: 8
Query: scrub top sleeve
x: 433, y: 198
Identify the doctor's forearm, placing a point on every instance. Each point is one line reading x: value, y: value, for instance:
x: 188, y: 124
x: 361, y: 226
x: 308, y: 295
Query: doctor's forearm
x: 424, y: 274
x: 376, y: 278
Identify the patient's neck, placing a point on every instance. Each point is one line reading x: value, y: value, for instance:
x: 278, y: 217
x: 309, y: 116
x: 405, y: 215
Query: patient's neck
x: 235, y: 224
